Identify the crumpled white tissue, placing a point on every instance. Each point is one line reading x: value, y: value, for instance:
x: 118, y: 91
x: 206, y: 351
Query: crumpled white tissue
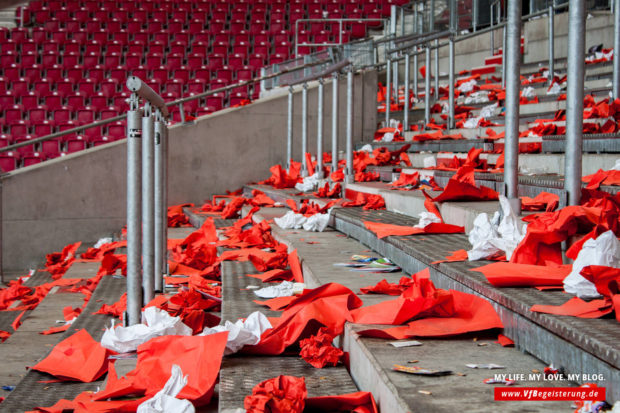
x: 481, y: 96
x: 309, y: 183
x: 467, y: 86
x: 387, y: 137
x: 604, y: 250
x: 490, y: 237
x: 156, y: 322
x: 291, y: 220
x: 555, y: 89
x: 426, y: 218
x: 488, y: 111
x: 430, y: 162
x: 165, y: 400
x: 241, y: 333
x: 472, y: 123
x: 367, y: 148
x: 284, y: 289
x: 316, y: 223
x: 528, y: 92
x: 616, y: 166
x: 102, y: 242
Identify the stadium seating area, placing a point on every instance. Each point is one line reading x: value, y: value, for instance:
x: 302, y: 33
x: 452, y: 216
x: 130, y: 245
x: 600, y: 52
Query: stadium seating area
x: 67, y: 65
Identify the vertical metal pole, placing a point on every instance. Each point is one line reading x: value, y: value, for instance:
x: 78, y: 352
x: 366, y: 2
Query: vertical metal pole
x: 165, y: 147
x: 402, y: 21
x: 532, y: 6
x: 395, y: 81
x: 160, y: 207
x: 394, y: 65
x: 474, y: 17
x: 416, y: 28
x: 148, y: 241
x: 504, y: 40
x: 436, y: 68
x: 289, y: 130
x: 182, y: 112
x: 493, y: 34
x: 319, y: 131
x: 304, y: 129
x: 134, y: 210
x: 574, y: 99
x: 349, y: 177
x: 513, y: 83
x: 427, y: 87
x: 451, y: 123
x: 334, y: 121
x: 406, y: 107
x: 616, y: 72
x: 388, y: 89
x: 551, y: 42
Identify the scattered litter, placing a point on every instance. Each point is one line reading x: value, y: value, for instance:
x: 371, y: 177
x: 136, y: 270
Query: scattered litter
x: 421, y: 371
x: 290, y: 220
x: 461, y: 374
x: 482, y: 344
x: 370, y: 264
x: 428, y: 393
x: 165, y: 400
x: 252, y: 287
x: 8, y: 388
x: 284, y: 289
x: 413, y: 361
x: 499, y: 381
x: 536, y: 371
x: 309, y: 183
x: 485, y: 366
x: 242, y: 332
x: 316, y: 223
x: 411, y: 343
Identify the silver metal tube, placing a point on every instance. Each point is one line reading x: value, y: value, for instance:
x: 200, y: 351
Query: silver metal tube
x: 304, y: 129
x: 148, y: 240
x: 145, y: 92
x: 451, y: 122
x: 402, y: 21
x: 319, y: 131
x: 134, y: 211
x: 182, y: 112
x: 349, y: 177
x: 160, y: 207
x: 616, y: 72
x: 474, y: 17
x: 504, y: 60
x: 427, y: 87
x: 551, y: 42
x: 334, y: 122
x: 574, y: 99
x: 436, y: 69
x: 1, y: 236
x: 395, y: 81
x: 513, y: 83
x: 406, y: 106
x: 289, y: 130
x: 165, y: 147
x: 388, y: 89
x: 416, y: 29
x: 492, y: 33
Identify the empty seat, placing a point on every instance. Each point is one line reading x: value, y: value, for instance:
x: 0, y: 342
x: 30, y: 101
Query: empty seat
x: 8, y: 161
x: 33, y: 159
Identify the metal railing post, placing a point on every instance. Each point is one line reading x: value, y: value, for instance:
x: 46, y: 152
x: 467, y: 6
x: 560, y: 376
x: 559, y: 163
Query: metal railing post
x: 388, y: 90
x: 574, y: 99
x: 148, y: 204
x: 289, y: 130
x: 160, y: 206
x: 427, y: 87
x: 1, y: 235
x: 349, y: 176
x: 431, y: 24
x: 182, y: 112
x: 319, y: 131
x: 551, y: 42
x: 406, y: 106
x: 513, y: 87
x: 504, y: 40
x: 166, y: 151
x: 452, y: 6
x: 416, y: 29
x: 334, y: 122
x: 304, y: 129
x: 616, y: 70
x: 395, y: 81
x: 134, y: 211
x: 474, y: 17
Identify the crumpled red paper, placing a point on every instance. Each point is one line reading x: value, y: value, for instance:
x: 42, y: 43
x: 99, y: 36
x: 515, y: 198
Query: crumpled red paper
x: 325, y: 192
x: 318, y: 350
x: 406, y: 180
x: 602, y: 177
x: 282, y: 394
x: 462, y: 187
x: 508, y: 274
x: 176, y: 216
x: 577, y: 307
x: 367, y: 201
x: 4, y: 335
x: 541, y: 202
x: 384, y: 287
x: 260, y: 199
x: 280, y: 179
x: 383, y: 230
x: 117, y: 309
x: 78, y: 358
x: 360, y: 402
x: 58, y: 263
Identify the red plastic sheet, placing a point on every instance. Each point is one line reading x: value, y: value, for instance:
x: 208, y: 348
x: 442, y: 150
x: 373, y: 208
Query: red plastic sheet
x: 325, y: 192
x: 274, y: 275
x: 462, y: 187
x: 384, y: 230
x: 282, y: 394
x: 456, y: 256
x: 541, y: 202
x: 117, y: 309
x: 406, y: 180
x: 360, y: 402
x: 4, y: 335
x: 318, y: 350
x: 384, y: 287
x: 576, y: 307
x: 78, y: 358
x: 281, y: 179
x: 602, y: 177
x: 176, y: 217
x: 367, y: 201
x: 505, y: 341
x: 508, y: 274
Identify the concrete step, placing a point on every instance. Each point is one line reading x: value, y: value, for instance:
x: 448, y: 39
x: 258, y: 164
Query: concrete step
x: 371, y: 360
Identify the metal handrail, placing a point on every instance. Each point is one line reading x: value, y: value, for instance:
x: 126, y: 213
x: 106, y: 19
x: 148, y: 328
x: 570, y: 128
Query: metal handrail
x: 168, y: 104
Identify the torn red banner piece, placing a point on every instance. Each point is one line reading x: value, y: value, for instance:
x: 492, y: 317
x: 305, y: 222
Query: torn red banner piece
x: 97, y: 254
x: 456, y: 256
x: 293, y: 262
x: 18, y: 321
x: 471, y: 313
x: 360, y: 402
x: 505, y: 341
x: 282, y: 394
x: 325, y: 192
x: 577, y: 307
x: 462, y: 187
x: 274, y: 275
x: 384, y: 230
x: 58, y: 263
x: 602, y: 177
x: 15, y: 291
x: 77, y: 357
x: 508, y: 274
x: 260, y: 199
x: 384, y: 287
x: 406, y: 180
x: 55, y: 330
x: 318, y: 350
x: 176, y: 216
x: 117, y: 309
x: 278, y: 303
x: 605, y: 279
x: 4, y: 335
x: 281, y: 179
x: 367, y: 201
x: 541, y: 202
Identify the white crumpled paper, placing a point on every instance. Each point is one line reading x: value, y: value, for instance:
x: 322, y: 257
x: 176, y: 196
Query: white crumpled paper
x: 242, y: 333
x: 555, y: 89
x: 309, y: 183
x: 481, y: 96
x: 367, y: 148
x: 426, y: 218
x: 290, y: 220
x: 102, y: 241
x: 284, y: 289
x: 316, y: 223
x: 528, y: 92
x: 467, y: 86
x: 388, y: 137
x: 472, y: 123
x: 156, y: 322
x: 489, y: 111
x: 430, y: 162
x: 490, y: 237
x: 604, y: 250
x: 616, y: 166
x: 165, y: 400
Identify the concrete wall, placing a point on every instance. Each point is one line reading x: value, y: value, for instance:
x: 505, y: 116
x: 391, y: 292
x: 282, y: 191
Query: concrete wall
x: 81, y: 197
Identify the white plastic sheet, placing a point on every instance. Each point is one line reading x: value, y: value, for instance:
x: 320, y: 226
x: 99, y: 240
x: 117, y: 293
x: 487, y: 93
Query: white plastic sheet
x: 426, y: 218
x: 528, y: 92
x: 309, y: 183
x: 290, y: 220
x: 242, y: 333
x: 468, y: 86
x: 165, y: 400
x: 156, y: 322
x: 430, y: 162
x: 489, y: 111
x: 284, y: 289
x: 316, y: 223
x: 472, y: 123
x: 367, y: 148
x: 604, y: 250
x: 481, y: 96
x: 555, y: 89
x: 102, y: 241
